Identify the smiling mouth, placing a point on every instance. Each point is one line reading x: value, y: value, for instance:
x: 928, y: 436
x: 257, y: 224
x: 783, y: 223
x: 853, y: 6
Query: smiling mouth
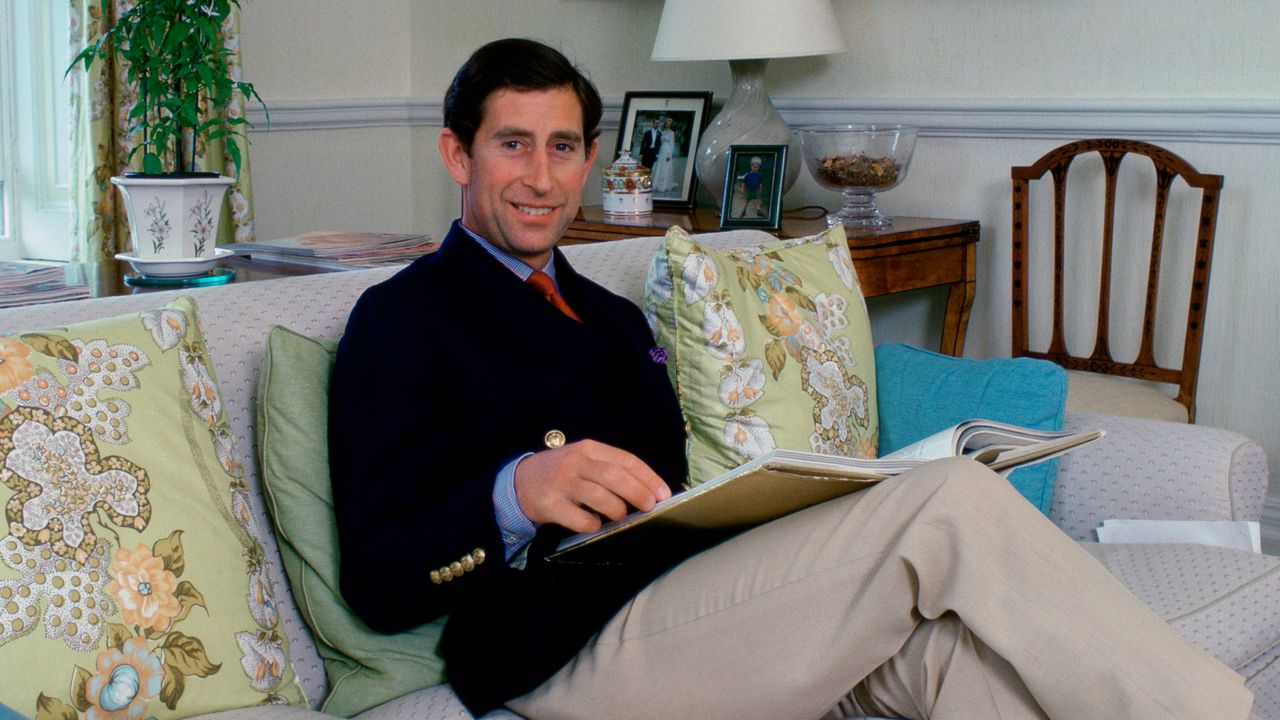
x: 534, y: 210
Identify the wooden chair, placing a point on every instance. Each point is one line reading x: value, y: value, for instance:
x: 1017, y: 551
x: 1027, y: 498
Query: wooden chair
x: 1092, y: 382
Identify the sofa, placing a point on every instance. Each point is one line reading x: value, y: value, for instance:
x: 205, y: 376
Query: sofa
x: 1225, y: 601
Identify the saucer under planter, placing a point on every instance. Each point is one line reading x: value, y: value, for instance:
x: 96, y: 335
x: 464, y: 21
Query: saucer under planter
x: 175, y: 267
x: 173, y: 216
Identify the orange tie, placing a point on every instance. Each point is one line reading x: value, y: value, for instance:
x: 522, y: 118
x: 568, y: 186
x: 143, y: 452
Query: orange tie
x: 547, y: 288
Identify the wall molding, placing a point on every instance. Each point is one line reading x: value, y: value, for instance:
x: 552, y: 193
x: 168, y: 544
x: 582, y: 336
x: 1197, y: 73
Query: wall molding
x: 1246, y: 122
x: 1250, y: 122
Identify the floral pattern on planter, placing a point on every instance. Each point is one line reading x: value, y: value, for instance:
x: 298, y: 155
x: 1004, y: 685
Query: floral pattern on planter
x: 158, y: 225
x: 203, y: 223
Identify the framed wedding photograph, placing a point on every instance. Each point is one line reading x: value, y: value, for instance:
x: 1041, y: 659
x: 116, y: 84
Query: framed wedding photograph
x: 753, y: 187
x: 662, y: 130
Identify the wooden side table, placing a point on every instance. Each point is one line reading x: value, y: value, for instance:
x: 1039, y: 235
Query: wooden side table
x: 910, y: 254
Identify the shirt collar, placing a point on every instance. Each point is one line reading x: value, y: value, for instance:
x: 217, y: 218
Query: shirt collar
x: 517, y: 266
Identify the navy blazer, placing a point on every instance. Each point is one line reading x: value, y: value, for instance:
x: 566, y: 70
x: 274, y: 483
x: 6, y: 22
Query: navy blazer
x: 446, y: 372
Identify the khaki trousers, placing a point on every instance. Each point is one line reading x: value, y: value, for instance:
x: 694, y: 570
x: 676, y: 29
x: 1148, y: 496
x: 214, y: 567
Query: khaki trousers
x: 938, y: 594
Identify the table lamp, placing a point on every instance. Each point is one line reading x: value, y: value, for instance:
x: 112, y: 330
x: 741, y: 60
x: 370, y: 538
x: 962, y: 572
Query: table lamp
x: 747, y: 33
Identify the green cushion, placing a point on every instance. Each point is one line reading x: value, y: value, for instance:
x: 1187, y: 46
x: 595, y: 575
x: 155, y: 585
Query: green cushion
x: 365, y: 668
x: 768, y: 346
x: 132, y: 578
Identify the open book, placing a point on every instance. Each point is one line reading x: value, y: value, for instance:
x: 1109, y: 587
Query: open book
x: 783, y: 481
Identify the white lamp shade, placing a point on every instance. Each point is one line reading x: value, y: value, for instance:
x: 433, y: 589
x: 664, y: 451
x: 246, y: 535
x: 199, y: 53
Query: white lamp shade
x: 746, y: 29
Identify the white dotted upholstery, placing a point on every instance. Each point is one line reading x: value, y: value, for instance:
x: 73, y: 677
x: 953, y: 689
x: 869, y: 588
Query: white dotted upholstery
x: 1150, y: 469
x: 1264, y: 681
x: 1224, y: 601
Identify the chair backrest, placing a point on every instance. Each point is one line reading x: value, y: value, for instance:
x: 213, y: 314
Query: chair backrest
x: 1168, y: 166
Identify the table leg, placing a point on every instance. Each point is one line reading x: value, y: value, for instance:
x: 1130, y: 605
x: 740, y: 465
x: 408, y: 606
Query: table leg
x: 956, y: 323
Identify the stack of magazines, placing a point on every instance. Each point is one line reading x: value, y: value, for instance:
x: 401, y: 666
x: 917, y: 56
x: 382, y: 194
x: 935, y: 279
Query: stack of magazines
x: 339, y: 250
x: 29, y: 283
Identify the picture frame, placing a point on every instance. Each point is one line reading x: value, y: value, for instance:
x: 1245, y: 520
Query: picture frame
x: 753, y: 194
x: 680, y: 117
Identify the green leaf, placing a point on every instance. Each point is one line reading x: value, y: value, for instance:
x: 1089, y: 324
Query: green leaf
x: 775, y: 353
x: 52, y: 345
x: 48, y: 708
x: 79, y: 688
x: 234, y: 151
x: 151, y: 164
x: 801, y: 299
x: 169, y: 550
x: 171, y: 688
x: 116, y: 635
x: 188, y: 597
x: 186, y: 654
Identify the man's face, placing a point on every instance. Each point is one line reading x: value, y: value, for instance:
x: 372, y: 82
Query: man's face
x: 524, y: 176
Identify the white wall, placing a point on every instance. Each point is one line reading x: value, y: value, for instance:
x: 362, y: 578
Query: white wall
x: 994, y: 83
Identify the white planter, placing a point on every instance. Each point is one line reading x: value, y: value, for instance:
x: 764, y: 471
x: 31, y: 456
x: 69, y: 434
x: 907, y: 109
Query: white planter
x: 172, y: 218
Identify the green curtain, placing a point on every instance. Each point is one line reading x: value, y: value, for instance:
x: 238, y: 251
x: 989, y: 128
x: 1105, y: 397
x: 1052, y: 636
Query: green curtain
x: 100, y: 102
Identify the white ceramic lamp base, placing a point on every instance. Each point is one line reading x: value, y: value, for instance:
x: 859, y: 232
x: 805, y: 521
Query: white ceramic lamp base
x: 747, y: 118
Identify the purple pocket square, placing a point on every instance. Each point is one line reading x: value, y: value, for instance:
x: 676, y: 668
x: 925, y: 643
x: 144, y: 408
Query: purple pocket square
x: 658, y: 355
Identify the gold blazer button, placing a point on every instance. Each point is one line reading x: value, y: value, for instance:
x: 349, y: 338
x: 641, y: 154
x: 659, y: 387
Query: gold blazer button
x: 553, y: 439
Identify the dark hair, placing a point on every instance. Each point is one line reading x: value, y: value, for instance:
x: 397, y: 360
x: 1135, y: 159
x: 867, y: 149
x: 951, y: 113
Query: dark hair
x: 518, y: 64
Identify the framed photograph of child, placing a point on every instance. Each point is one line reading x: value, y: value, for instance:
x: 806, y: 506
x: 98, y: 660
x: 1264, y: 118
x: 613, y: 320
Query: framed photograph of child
x: 753, y: 187
x: 662, y: 130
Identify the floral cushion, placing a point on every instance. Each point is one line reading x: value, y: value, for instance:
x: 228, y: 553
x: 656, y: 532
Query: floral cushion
x: 132, y: 580
x: 767, y: 346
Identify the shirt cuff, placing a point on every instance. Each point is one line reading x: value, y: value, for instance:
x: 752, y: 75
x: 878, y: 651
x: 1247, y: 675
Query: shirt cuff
x: 516, y: 527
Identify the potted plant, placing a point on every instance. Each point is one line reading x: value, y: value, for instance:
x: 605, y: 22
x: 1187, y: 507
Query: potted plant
x: 174, y: 54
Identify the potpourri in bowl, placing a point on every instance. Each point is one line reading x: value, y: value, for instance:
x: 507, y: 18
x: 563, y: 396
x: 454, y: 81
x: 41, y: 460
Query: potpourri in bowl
x: 859, y: 161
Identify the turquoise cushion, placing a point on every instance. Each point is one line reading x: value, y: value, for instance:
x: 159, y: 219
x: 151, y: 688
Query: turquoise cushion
x: 922, y: 392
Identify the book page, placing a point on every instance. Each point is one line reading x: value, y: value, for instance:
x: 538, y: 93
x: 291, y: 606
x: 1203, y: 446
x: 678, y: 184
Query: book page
x: 1237, y: 534
x: 938, y: 445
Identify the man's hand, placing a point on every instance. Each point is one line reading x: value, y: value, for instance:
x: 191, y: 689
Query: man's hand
x: 575, y: 485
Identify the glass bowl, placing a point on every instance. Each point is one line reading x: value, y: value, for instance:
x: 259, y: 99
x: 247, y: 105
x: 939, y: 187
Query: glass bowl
x: 859, y: 161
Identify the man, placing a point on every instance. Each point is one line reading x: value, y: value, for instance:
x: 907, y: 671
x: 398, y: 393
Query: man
x: 940, y: 594
x: 650, y: 144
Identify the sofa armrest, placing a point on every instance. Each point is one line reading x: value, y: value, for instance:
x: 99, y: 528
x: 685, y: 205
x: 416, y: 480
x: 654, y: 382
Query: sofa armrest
x: 1151, y: 469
